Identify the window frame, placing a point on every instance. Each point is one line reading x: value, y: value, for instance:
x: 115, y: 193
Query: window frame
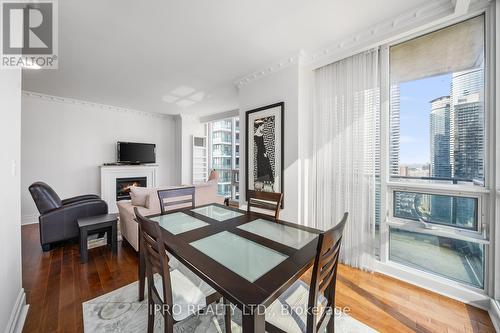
x: 476, y: 228
x: 486, y: 195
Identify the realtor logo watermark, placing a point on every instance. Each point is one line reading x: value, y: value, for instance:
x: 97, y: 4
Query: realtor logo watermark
x: 29, y: 34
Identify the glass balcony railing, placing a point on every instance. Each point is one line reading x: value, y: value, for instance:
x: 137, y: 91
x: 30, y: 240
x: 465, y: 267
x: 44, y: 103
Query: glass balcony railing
x: 221, y: 166
x: 221, y: 153
x: 221, y: 140
x: 219, y: 127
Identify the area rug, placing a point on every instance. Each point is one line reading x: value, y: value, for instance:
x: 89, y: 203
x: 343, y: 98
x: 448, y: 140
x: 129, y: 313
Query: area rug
x: 120, y: 311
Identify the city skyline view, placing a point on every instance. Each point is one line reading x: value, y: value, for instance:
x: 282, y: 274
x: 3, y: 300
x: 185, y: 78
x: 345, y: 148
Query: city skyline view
x: 437, y: 126
x: 415, y: 107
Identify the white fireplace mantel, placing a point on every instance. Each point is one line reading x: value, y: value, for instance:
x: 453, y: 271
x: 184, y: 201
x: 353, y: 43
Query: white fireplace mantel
x: 109, y: 174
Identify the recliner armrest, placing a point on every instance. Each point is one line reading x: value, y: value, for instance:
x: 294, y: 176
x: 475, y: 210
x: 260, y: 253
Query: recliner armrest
x: 61, y: 223
x: 79, y: 198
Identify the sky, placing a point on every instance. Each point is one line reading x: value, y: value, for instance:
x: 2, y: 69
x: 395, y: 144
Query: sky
x: 415, y: 116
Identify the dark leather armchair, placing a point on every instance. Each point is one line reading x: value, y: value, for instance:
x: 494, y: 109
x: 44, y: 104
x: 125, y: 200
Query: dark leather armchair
x: 58, y: 217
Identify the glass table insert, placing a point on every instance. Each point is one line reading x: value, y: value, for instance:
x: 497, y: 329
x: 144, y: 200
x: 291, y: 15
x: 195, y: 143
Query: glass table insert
x: 246, y: 258
x: 279, y: 233
x: 177, y: 223
x: 217, y: 213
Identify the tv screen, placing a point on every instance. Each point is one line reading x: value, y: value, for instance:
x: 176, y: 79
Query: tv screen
x: 131, y: 152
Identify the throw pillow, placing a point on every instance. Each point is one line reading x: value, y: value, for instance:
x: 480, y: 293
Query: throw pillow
x: 139, y: 196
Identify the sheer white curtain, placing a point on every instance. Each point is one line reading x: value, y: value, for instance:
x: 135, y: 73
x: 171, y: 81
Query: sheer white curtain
x: 345, y: 146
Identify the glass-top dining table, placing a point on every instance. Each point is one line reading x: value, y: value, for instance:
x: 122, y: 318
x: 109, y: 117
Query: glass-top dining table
x: 247, y: 257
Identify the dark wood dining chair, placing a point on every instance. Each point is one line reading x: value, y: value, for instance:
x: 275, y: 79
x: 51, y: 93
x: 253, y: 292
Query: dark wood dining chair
x: 314, y: 304
x: 176, y: 198
x: 324, y: 278
x: 176, y: 289
x: 265, y: 200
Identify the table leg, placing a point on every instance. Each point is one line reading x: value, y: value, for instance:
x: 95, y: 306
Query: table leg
x: 253, y: 322
x: 109, y: 236
x: 83, y: 246
x: 114, y: 239
x: 142, y: 270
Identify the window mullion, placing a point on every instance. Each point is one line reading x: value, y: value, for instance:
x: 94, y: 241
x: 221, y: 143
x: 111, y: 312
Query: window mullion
x: 384, y: 151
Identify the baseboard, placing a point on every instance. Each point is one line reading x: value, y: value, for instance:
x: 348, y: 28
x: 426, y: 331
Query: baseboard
x: 29, y: 219
x: 494, y: 313
x: 18, y: 315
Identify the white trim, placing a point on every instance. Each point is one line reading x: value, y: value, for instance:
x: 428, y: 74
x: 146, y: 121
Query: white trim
x: 65, y: 100
x: 494, y: 312
x: 441, y: 231
x: 437, y: 284
x: 18, y: 314
x: 449, y: 189
x: 220, y: 116
x: 461, y: 7
x: 29, y: 219
x: 273, y: 68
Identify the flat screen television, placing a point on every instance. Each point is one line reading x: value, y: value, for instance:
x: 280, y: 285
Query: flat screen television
x: 136, y: 153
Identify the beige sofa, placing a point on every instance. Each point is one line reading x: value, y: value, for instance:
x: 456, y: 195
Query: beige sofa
x: 147, y: 202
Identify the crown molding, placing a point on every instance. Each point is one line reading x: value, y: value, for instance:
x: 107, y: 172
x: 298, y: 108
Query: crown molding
x: 273, y: 68
x: 72, y: 101
x: 430, y: 16
x: 378, y: 32
x: 371, y: 37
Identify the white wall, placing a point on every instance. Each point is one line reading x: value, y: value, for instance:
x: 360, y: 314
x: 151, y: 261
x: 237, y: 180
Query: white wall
x: 64, y: 143
x: 12, y: 311
x: 278, y: 87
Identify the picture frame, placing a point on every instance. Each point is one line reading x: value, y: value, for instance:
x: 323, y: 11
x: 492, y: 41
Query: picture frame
x: 264, y: 149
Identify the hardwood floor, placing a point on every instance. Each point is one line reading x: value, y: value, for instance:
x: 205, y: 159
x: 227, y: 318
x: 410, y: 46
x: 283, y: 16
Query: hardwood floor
x: 56, y: 284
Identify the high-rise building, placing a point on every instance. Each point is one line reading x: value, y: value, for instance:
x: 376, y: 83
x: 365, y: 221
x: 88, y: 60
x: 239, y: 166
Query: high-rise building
x: 467, y: 125
x: 440, y: 207
x: 440, y: 137
x: 467, y: 136
x: 226, y: 154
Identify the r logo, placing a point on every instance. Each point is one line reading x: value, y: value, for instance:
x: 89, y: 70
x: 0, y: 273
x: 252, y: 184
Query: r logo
x: 27, y: 28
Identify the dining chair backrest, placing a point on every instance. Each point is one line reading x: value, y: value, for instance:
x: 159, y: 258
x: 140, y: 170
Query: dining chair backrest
x: 176, y: 198
x: 152, y: 247
x: 265, y: 200
x: 324, y: 277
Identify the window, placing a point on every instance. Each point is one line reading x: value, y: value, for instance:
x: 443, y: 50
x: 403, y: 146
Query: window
x: 459, y: 212
x: 437, y: 107
x: 224, y: 155
x: 451, y: 258
x: 435, y: 164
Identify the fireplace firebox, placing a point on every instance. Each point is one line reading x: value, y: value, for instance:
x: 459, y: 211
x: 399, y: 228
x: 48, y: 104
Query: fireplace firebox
x: 123, y: 186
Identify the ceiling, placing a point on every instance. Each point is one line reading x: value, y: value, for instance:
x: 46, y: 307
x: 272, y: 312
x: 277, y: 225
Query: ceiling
x: 183, y: 56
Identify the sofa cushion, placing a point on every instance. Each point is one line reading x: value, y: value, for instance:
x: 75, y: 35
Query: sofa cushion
x: 153, y: 202
x: 139, y: 195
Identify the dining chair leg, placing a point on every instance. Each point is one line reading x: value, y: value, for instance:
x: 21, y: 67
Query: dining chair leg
x: 151, y: 313
x: 166, y: 325
x: 227, y: 315
x: 330, y: 327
